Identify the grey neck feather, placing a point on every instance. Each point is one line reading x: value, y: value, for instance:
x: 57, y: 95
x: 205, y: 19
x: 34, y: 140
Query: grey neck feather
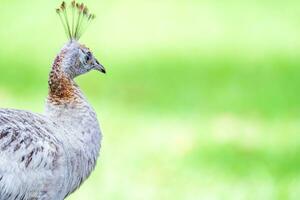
x: 82, y: 132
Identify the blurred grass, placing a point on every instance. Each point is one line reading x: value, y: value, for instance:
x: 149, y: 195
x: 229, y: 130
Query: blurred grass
x: 200, y: 100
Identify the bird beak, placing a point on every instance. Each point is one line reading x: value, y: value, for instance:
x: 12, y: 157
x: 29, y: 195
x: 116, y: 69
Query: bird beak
x: 99, y: 67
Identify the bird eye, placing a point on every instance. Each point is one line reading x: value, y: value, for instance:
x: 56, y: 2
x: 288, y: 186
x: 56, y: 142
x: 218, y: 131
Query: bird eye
x: 88, y: 56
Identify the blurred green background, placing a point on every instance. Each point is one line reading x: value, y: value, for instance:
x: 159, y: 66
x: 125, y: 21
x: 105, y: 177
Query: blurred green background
x: 200, y: 101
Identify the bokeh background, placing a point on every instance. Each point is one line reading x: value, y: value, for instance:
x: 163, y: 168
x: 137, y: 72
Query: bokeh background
x: 201, y: 98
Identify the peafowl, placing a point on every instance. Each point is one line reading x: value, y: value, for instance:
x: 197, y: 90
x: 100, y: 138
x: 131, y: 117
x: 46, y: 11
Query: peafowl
x: 48, y: 156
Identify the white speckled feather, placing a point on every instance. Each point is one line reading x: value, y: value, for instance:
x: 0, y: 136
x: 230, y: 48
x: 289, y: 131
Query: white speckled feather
x: 48, y: 156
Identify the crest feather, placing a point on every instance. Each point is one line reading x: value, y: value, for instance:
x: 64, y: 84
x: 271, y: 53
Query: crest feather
x: 80, y: 19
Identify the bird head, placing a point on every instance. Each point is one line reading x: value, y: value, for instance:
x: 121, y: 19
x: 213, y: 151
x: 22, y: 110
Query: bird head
x: 75, y: 58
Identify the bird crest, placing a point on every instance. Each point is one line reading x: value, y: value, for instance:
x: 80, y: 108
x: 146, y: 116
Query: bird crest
x: 75, y: 19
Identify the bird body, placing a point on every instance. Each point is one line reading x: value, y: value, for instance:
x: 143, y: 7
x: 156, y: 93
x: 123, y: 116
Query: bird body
x: 47, y: 156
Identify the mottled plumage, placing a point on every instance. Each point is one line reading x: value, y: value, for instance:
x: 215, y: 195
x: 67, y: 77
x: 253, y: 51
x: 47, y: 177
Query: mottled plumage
x: 48, y: 156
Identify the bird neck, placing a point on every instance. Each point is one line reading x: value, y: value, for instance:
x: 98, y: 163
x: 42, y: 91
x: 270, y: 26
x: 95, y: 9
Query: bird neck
x: 79, y: 127
x: 64, y: 94
x: 67, y: 106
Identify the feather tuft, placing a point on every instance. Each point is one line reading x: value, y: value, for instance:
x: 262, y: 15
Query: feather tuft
x: 79, y: 22
x: 63, y: 5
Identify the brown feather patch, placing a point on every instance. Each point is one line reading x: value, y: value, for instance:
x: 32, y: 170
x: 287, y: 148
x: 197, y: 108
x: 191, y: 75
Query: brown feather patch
x: 62, y: 89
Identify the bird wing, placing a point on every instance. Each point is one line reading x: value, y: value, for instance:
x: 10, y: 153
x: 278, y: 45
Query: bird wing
x: 30, y: 151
